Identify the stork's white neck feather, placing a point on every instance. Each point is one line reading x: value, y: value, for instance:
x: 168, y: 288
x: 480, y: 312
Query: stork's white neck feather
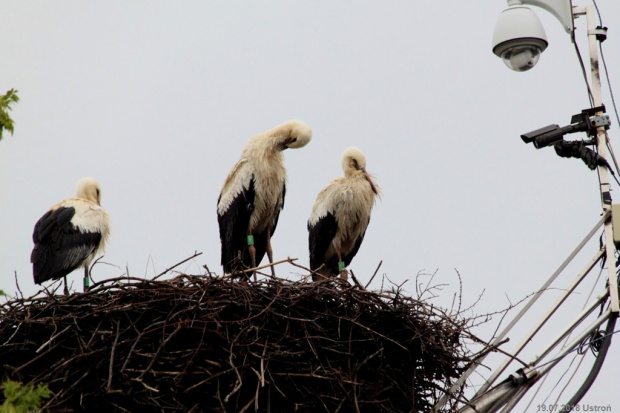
x: 89, y: 189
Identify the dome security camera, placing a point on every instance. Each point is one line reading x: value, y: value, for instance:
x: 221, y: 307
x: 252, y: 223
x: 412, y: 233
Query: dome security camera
x: 519, y: 38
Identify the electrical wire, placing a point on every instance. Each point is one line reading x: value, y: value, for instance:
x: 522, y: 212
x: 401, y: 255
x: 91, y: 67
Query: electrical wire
x: 598, y: 363
x: 613, y: 156
x: 595, y: 340
x: 613, y: 174
x: 560, y: 379
x: 570, y: 379
x: 611, y: 91
x: 613, y: 100
x: 592, y: 342
x: 598, y: 12
x: 566, y: 340
x: 583, y: 71
x: 604, y: 336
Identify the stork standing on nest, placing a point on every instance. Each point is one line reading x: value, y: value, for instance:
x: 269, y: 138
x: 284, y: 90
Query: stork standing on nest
x: 70, y: 235
x: 340, y: 216
x: 253, y: 196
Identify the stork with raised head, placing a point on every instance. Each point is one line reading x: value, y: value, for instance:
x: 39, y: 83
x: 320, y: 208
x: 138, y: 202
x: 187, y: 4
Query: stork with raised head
x: 70, y: 235
x: 253, y: 196
x: 340, y: 217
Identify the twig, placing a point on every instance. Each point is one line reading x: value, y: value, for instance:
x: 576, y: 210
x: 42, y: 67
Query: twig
x: 308, y: 269
x: 460, y: 293
x: 191, y: 342
x: 52, y: 338
x: 196, y: 253
x: 262, y: 267
x: 373, y: 276
x: 163, y: 344
x: 17, y: 285
x: 232, y: 364
x: 357, y: 283
x: 108, y: 387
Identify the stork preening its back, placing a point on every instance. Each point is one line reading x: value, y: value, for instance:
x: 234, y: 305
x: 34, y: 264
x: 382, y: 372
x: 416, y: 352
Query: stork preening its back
x: 70, y: 235
x: 253, y: 195
x: 340, y: 216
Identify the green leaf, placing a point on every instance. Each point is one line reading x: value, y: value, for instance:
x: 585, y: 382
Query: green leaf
x: 5, y: 106
x: 22, y: 398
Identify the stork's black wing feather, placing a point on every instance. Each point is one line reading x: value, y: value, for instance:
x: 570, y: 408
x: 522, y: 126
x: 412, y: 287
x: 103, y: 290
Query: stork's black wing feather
x: 358, y: 242
x: 320, y: 235
x: 275, y: 223
x: 59, y: 246
x: 234, y: 223
x: 260, y: 239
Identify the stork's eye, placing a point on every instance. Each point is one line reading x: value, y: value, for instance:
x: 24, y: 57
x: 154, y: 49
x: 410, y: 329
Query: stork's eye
x: 355, y: 165
x: 294, y: 140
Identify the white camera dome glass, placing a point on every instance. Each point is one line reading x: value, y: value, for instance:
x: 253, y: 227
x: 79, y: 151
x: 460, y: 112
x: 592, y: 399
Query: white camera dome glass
x: 521, y: 58
x: 519, y: 38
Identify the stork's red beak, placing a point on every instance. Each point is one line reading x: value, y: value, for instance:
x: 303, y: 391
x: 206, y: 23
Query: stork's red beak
x: 372, y: 185
x: 287, y: 142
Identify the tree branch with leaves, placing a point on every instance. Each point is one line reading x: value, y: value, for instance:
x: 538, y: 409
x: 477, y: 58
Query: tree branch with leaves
x: 5, y: 106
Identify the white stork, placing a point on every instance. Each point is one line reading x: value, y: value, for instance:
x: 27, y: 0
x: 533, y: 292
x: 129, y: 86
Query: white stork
x: 70, y: 235
x: 340, y: 216
x: 253, y: 195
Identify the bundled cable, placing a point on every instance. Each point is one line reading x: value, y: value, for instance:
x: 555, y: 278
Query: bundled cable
x: 577, y: 149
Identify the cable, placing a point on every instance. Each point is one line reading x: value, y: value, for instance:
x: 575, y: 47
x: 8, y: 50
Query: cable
x: 577, y: 149
x: 583, y: 70
x: 613, y: 155
x: 570, y: 379
x: 566, y: 340
x: 593, y: 342
x: 604, y: 337
x: 611, y: 92
x: 598, y: 363
x: 598, y: 12
x: 560, y: 379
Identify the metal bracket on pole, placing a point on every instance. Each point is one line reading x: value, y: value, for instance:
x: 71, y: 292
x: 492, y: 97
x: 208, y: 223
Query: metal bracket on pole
x: 602, y: 120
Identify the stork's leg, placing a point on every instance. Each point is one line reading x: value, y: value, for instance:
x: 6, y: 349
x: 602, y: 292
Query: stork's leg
x: 270, y: 252
x: 66, y: 287
x: 86, y: 279
x: 252, y: 252
x: 341, y: 267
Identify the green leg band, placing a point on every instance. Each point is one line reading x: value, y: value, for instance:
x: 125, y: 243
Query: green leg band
x: 86, y: 282
x: 341, y: 266
x: 250, y: 239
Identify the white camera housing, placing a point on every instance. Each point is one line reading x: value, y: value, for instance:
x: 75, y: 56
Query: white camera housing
x: 519, y: 38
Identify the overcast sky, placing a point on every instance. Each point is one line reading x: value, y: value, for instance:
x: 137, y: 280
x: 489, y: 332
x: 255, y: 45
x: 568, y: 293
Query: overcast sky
x: 156, y: 100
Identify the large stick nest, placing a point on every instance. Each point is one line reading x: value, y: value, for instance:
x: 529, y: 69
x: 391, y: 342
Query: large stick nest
x: 199, y: 343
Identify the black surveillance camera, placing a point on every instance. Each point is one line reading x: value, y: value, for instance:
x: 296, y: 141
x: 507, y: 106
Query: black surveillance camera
x: 545, y: 136
x: 552, y: 134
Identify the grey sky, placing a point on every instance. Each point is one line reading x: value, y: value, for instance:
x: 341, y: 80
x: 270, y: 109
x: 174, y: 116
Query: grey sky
x: 156, y: 100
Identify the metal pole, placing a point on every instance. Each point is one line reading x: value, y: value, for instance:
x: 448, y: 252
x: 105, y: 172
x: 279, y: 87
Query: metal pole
x: 582, y: 316
x: 608, y: 251
x: 606, y: 201
x: 544, y: 319
x: 602, y: 151
x: 521, y: 313
x: 576, y: 342
x: 519, y: 391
